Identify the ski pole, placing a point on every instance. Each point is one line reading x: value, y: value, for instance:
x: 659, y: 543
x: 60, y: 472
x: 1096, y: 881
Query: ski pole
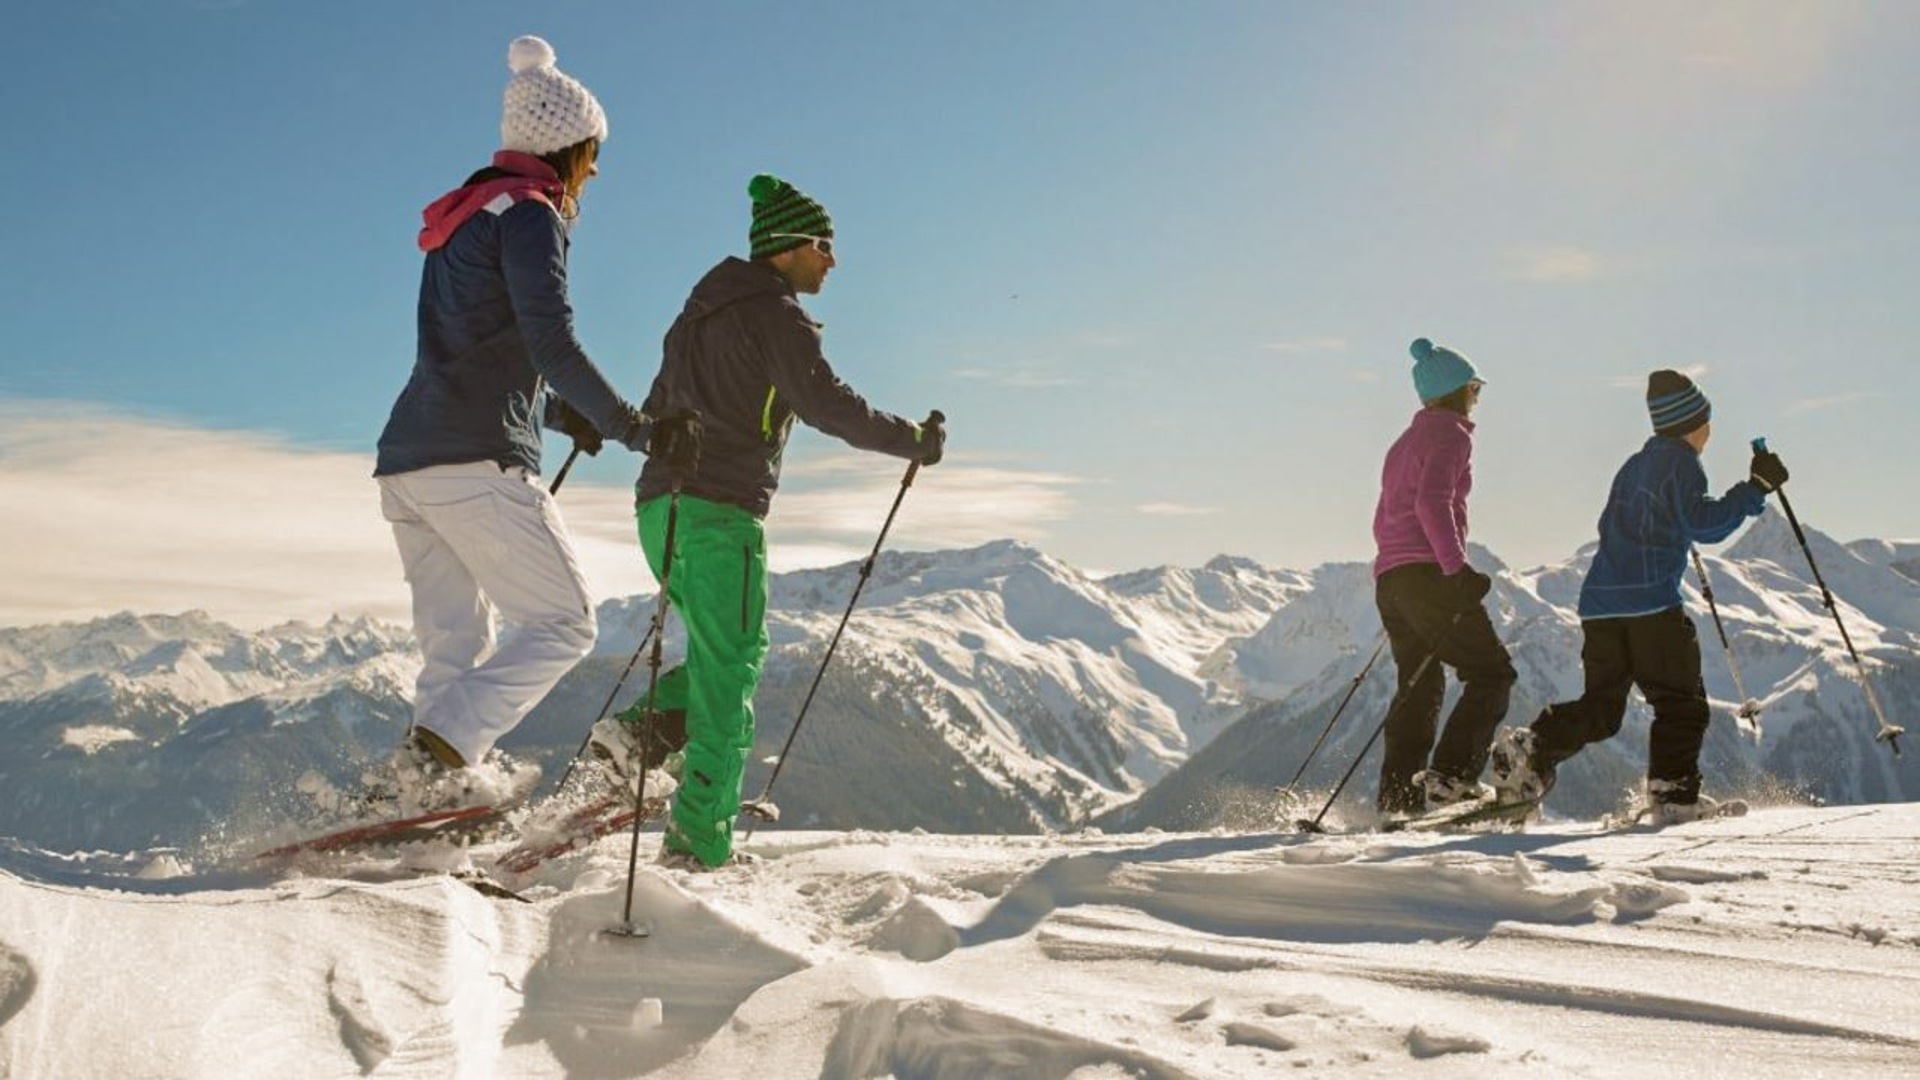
x: 1399, y: 698
x: 605, y: 705
x: 561, y: 477
x: 658, y: 633
x: 1749, y: 711
x: 1888, y: 733
x: 759, y: 808
x: 1335, y: 718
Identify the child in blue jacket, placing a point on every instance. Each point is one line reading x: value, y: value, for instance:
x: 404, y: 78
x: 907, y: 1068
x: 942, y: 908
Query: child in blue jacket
x: 1636, y: 630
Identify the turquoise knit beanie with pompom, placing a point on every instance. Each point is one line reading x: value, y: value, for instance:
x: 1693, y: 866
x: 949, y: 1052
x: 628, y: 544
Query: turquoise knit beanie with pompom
x: 1439, y: 371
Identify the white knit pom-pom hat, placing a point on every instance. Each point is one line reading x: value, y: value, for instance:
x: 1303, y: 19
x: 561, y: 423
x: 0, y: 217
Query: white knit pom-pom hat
x: 545, y: 108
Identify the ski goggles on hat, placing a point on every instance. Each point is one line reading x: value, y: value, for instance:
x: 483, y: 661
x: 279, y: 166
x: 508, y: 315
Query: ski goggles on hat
x: 821, y: 244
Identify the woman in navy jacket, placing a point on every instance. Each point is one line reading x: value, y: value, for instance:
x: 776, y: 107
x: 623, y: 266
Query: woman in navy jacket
x: 459, y: 460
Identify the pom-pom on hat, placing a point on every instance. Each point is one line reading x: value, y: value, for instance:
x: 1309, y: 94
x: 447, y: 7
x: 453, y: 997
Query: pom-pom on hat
x: 780, y: 208
x: 1675, y: 405
x: 545, y: 108
x: 1439, y: 371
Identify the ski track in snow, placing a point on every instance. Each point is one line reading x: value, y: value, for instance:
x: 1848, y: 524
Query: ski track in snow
x: 1783, y: 944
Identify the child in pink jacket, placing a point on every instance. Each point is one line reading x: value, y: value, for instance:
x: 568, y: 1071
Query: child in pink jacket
x: 1430, y: 598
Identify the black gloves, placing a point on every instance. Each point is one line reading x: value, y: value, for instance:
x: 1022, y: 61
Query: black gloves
x: 674, y: 438
x: 675, y: 441
x: 933, y: 438
x: 1767, y: 471
x: 568, y: 421
x: 1469, y: 587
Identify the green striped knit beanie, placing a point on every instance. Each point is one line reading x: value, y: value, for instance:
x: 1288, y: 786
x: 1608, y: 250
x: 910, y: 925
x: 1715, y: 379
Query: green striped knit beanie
x: 779, y: 207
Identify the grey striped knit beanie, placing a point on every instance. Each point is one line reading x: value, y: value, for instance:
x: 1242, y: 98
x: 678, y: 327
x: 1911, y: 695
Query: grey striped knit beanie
x: 779, y: 207
x: 1675, y: 404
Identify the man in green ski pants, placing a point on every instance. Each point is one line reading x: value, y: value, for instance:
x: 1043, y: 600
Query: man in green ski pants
x: 747, y: 358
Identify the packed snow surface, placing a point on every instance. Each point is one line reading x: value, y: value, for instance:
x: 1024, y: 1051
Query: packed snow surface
x: 1782, y: 944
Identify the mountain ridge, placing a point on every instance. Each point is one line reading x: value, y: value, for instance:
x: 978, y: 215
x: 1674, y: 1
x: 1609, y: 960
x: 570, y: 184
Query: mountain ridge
x: 992, y: 688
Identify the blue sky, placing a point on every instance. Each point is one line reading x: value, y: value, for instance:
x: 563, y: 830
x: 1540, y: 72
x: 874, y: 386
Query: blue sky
x: 1159, y: 263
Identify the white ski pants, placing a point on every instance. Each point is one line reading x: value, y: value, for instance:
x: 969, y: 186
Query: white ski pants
x: 475, y: 538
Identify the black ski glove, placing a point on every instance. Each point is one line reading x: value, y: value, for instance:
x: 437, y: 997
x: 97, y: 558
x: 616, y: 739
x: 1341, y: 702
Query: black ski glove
x: 1767, y: 471
x: 933, y: 438
x: 569, y: 421
x: 675, y: 441
x: 1469, y: 587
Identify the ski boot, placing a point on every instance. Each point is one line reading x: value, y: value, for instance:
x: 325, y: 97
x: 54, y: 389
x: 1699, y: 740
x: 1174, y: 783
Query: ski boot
x: 1518, y: 773
x: 615, y: 742
x: 1445, y: 791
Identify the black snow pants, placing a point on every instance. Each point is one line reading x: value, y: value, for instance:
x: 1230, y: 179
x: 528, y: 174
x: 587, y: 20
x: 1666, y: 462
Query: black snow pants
x: 1660, y: 653
x: 1417, y: 608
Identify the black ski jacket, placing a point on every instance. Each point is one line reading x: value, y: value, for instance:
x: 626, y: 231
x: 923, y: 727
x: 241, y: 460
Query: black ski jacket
x: 746, y: 356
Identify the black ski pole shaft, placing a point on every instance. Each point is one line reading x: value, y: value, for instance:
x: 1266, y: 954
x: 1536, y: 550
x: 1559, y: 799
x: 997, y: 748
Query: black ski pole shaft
x: 1398, y: 700
x: 1888, y: 733
x: 561, y: 477
x: 658, y: 632
x: 605, y: 705
x: 1749, y: 708
x: 1338, y: 709
x: 866, y: 571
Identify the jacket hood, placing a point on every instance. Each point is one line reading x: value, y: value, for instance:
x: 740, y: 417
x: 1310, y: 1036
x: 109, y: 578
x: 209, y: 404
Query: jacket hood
x: 733, y: 280
x: 527, y: 177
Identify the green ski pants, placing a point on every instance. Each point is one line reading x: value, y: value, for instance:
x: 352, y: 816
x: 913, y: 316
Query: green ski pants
x: 718, y: 584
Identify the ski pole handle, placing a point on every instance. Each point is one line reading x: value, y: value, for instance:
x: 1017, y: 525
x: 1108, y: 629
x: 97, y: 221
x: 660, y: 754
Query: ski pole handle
x: 1760, y: 445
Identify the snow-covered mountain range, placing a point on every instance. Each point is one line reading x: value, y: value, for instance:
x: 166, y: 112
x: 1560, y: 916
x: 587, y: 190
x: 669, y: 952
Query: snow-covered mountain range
x: 993, y: 689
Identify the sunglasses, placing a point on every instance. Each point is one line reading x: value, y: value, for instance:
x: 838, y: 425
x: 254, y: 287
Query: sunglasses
x: 821, y: 244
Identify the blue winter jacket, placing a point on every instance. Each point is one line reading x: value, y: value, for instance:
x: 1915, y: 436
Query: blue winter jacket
x: 495, y: 338
x: 1658, y: 509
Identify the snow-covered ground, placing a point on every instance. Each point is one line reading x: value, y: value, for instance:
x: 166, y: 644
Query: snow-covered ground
x: 1783, y: 944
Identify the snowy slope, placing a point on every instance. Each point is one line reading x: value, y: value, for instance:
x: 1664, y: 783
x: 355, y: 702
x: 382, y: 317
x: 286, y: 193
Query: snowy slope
x: 1782, y: 945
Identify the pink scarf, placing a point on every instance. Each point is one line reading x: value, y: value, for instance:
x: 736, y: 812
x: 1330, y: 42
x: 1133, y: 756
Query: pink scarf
x: 532, y: 179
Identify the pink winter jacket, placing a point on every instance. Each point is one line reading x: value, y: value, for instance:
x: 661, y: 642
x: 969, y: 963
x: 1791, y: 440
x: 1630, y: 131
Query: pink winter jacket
x: 1422, y: 515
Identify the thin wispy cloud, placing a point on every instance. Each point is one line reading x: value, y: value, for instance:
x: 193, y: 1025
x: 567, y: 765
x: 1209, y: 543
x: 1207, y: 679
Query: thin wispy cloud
x: 1639, y: 382
x: 1821, y: 404
x: 1556, y: 265
x: 1015, y: 378
x: 1174, y: 509
x: 1036, y: 363
x: 108, y: 513
x: 1307, y: 345
x: 837, y: 501
x: 1782, y: 45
